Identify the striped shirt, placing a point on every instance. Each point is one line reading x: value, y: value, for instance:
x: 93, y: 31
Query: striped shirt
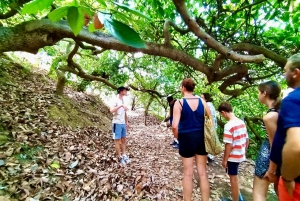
x: 235, y: 133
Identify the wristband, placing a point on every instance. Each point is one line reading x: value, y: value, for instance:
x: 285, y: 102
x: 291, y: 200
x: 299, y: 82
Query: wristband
x: 286, y: 179
x: 274, y: 173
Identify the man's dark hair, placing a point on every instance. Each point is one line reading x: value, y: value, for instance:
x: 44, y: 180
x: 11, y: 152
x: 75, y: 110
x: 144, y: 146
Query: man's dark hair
x: 225, y: 107
x: 207, y: 97
x: 122, y: 88
x: 170, y: 98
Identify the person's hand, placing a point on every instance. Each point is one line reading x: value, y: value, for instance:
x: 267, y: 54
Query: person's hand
x: 127, y: 126
x: 289, y: 186
x: 125, y: 108
x: 224, y: 164
x: 270, y: 177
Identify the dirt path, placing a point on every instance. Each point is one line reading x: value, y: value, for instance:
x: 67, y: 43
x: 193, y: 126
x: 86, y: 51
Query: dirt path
x: 153, y: 156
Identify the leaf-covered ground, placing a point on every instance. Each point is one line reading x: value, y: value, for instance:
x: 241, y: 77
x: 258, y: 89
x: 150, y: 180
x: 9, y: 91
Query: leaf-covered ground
x: 60, y: 148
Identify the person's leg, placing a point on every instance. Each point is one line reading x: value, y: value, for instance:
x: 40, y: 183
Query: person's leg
x: 187, y: 181
x: 202, y: 172
x: 123, y: 138
x: 117, y: 137
x: 232, y: 169
x: 234, y: 181
x: 118, y: 147
x: 260, y: 189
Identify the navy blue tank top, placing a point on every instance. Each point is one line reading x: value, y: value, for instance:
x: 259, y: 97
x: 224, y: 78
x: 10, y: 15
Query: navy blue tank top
x: 191, y: 121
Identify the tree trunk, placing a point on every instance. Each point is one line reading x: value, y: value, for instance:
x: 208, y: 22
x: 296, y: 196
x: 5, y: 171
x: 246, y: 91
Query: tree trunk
x: 61, y: 81
x: 147, y: 108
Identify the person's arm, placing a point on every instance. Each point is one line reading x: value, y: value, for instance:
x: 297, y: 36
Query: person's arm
x: 126, y: 120
x: 227, y: 151
x: 291, y: 155
x: 247, y: 143
x: 270, y: 121
x: 228, y: 140
x: 176, y: 118
x: 114, y: 109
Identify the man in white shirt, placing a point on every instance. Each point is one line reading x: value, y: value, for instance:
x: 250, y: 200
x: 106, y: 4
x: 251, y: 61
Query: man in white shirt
x: 120, y: 124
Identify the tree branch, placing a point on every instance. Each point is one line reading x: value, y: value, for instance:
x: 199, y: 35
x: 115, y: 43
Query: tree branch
x: 210, y: 41
x: 83, y: 75
x: 86, y: 47
x: 32, y: 35
x: 248, y: 6
x: 255, y: 49
x: 72, y: 53
x: 150, y: 91
x: 167, y: 24
x: 247, y: 119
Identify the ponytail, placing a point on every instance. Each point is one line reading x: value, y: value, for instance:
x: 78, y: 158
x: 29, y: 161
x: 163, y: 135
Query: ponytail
x: 277, y: 103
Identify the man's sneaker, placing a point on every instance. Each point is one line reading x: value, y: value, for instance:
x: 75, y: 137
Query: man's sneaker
x: 226, y: 199
x: 126, y: 159
x: 173, y: 143
x: 176, y: 146
x: 241, y: 197
x: 122, y: 161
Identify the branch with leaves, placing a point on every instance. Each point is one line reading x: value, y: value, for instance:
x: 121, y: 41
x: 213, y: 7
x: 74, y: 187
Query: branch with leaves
x: 210, y: 41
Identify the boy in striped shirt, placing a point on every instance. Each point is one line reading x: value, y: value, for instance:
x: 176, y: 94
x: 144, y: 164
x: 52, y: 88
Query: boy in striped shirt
x: 236, y: 142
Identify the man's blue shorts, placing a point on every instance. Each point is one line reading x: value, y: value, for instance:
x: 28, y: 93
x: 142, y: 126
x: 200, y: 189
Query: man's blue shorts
x: 232, y: 168
x: 118, y: 131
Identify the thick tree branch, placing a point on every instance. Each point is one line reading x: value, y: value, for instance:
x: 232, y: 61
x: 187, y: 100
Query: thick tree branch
x: 255, y: 49
x: 217, y: 63
x: 240, y: 69
x: 83, y: 75
x: 86, y: 47
x: 167, y: 24
x: 32, y: 35
x: 243, y: 71
x: 210, y: 41
x: 72, y: 53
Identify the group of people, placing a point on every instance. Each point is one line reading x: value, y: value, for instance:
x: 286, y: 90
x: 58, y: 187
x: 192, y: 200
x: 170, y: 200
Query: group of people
x: 278, y: 161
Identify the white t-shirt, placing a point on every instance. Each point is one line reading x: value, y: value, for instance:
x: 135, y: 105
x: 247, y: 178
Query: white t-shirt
x: 235, y: 133
x: 119, y: 115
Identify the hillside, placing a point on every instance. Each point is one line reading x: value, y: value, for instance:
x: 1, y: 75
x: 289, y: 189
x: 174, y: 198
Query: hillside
x: 60, y: 148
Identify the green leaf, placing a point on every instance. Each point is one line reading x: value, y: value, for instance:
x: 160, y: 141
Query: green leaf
x: 123, y: 33
x: 133, y: 11
x: 91, y: 27
x: 87, y: 10
x: 36, y: 6
x: 102, y: 2
x: 58, y: 13
x: 75, y: 19
x: 55, y: 164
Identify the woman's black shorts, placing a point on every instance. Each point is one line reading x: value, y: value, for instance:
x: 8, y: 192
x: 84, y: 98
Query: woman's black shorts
x: 191, y: 143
